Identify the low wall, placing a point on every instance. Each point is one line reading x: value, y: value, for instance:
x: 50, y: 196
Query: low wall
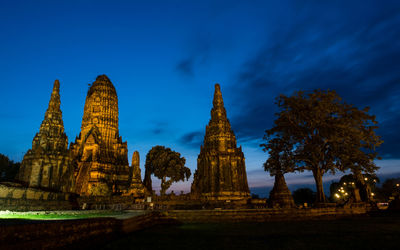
x: 18, y: 198
x: 55, y: 234
x: 262, y: 215
x: 77, y: 233
x: 111, y: 202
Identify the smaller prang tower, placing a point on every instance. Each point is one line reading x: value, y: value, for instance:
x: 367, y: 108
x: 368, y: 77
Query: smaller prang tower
x: 136, y: 188
x: 221, y: 171
x: 48, y: 164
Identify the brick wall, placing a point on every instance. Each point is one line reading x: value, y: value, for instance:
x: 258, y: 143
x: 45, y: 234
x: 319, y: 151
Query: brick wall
x: 262, y: 215
x: 17, y: 198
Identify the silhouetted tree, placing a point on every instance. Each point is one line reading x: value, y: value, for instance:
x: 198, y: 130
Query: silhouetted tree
x: 165, y: 163
x: 279, y: 162
x: 321, y: 133
x: 389, y: 189
x: 348, y: 188
x: 303, y: 195
x: 8, y: 169
x: 147, y: 180
x: 281, y: 158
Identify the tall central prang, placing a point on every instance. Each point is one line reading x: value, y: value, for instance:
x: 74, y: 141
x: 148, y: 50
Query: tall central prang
x: 100, y: 153
x: 221, y: 171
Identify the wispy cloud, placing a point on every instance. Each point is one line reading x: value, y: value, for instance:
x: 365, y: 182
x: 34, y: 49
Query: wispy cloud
x: 192, y: 139
x: 358, y: 59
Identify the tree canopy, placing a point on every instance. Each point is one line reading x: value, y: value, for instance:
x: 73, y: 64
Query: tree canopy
x: 8, y: 168
x: 319, y: 132
x: 303, y: 195
x: 345, y: 189
x: 389, y: 189
x: 166, y: 165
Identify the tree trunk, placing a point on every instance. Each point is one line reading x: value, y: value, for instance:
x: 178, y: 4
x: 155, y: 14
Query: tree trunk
x: 163, y: 189
x: 362, y: 186
x: 147, y: 181
x: 320, y: 197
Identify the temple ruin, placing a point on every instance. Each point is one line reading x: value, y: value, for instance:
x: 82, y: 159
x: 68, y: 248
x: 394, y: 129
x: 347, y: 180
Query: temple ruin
x: 96, y: 164
x: 48, y: 164
x: 280, y: 195
x: 136, y: 187
x: 100, y: 154
x: 221, y: 171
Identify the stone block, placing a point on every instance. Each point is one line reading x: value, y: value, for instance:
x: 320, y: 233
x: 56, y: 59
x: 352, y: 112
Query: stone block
x: 19, y: 193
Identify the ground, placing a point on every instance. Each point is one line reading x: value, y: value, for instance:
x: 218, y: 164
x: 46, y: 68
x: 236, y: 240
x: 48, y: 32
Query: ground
x: 11, y: 217
x: 375, y: 232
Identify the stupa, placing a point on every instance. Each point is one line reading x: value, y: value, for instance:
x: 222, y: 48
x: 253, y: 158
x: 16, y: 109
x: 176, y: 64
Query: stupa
x: 280, y: 195
x: 48, y: 164
x: 136, y: 187
x: 221, y: 171
x: 99, y: 152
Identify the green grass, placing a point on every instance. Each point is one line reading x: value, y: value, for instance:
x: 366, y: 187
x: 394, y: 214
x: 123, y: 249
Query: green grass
x: 62, y: 215
x: 357, y: 233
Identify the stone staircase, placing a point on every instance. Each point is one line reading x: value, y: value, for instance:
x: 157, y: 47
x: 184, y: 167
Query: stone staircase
x: 83, y: 177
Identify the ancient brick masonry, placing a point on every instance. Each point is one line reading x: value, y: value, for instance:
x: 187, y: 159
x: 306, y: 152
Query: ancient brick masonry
x: 48, y: 163
x: 280, y: 195
x: 100, y: 153
x: 221, y: 171
x: 136, y: 187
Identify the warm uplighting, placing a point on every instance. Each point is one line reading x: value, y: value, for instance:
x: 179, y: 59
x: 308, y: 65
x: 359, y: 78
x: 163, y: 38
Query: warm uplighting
x: 397, y: 184
x: 366, y: 179
x: 372, y: 194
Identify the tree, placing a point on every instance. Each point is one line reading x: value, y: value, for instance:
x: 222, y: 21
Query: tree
x: 166, y: 165
x: 303, y: 195
x: 389, y: 189
x: 281, y: 158
x: 8, y: 169
x: 348, y: 188
x: 280, y: 161
x: 319, y: 132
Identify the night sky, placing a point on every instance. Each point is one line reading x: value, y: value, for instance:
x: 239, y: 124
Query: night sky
x: 165, y: 57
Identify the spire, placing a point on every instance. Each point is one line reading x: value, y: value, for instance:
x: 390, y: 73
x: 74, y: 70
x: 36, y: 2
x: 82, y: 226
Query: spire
x: 54, y: 103
x: 51, y: 134
x: 219, y: 134
x: 136, y: 166
x: 218, y: 102
x: 218, y: 111
x: 135, y: 159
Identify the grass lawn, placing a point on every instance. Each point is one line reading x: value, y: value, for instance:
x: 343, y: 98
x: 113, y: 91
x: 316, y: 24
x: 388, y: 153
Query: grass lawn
x: 63, y: 215
x: 376, y: 232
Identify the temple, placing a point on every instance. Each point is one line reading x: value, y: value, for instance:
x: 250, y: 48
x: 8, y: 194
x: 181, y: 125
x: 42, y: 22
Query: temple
x: 280, y: 195
x: 221, y: 171
x: 48, y: 164
x: 100, y: 154
x: 136, y: 187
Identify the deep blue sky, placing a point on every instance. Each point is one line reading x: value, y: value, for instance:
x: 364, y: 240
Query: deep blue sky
x: 164, y: 58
